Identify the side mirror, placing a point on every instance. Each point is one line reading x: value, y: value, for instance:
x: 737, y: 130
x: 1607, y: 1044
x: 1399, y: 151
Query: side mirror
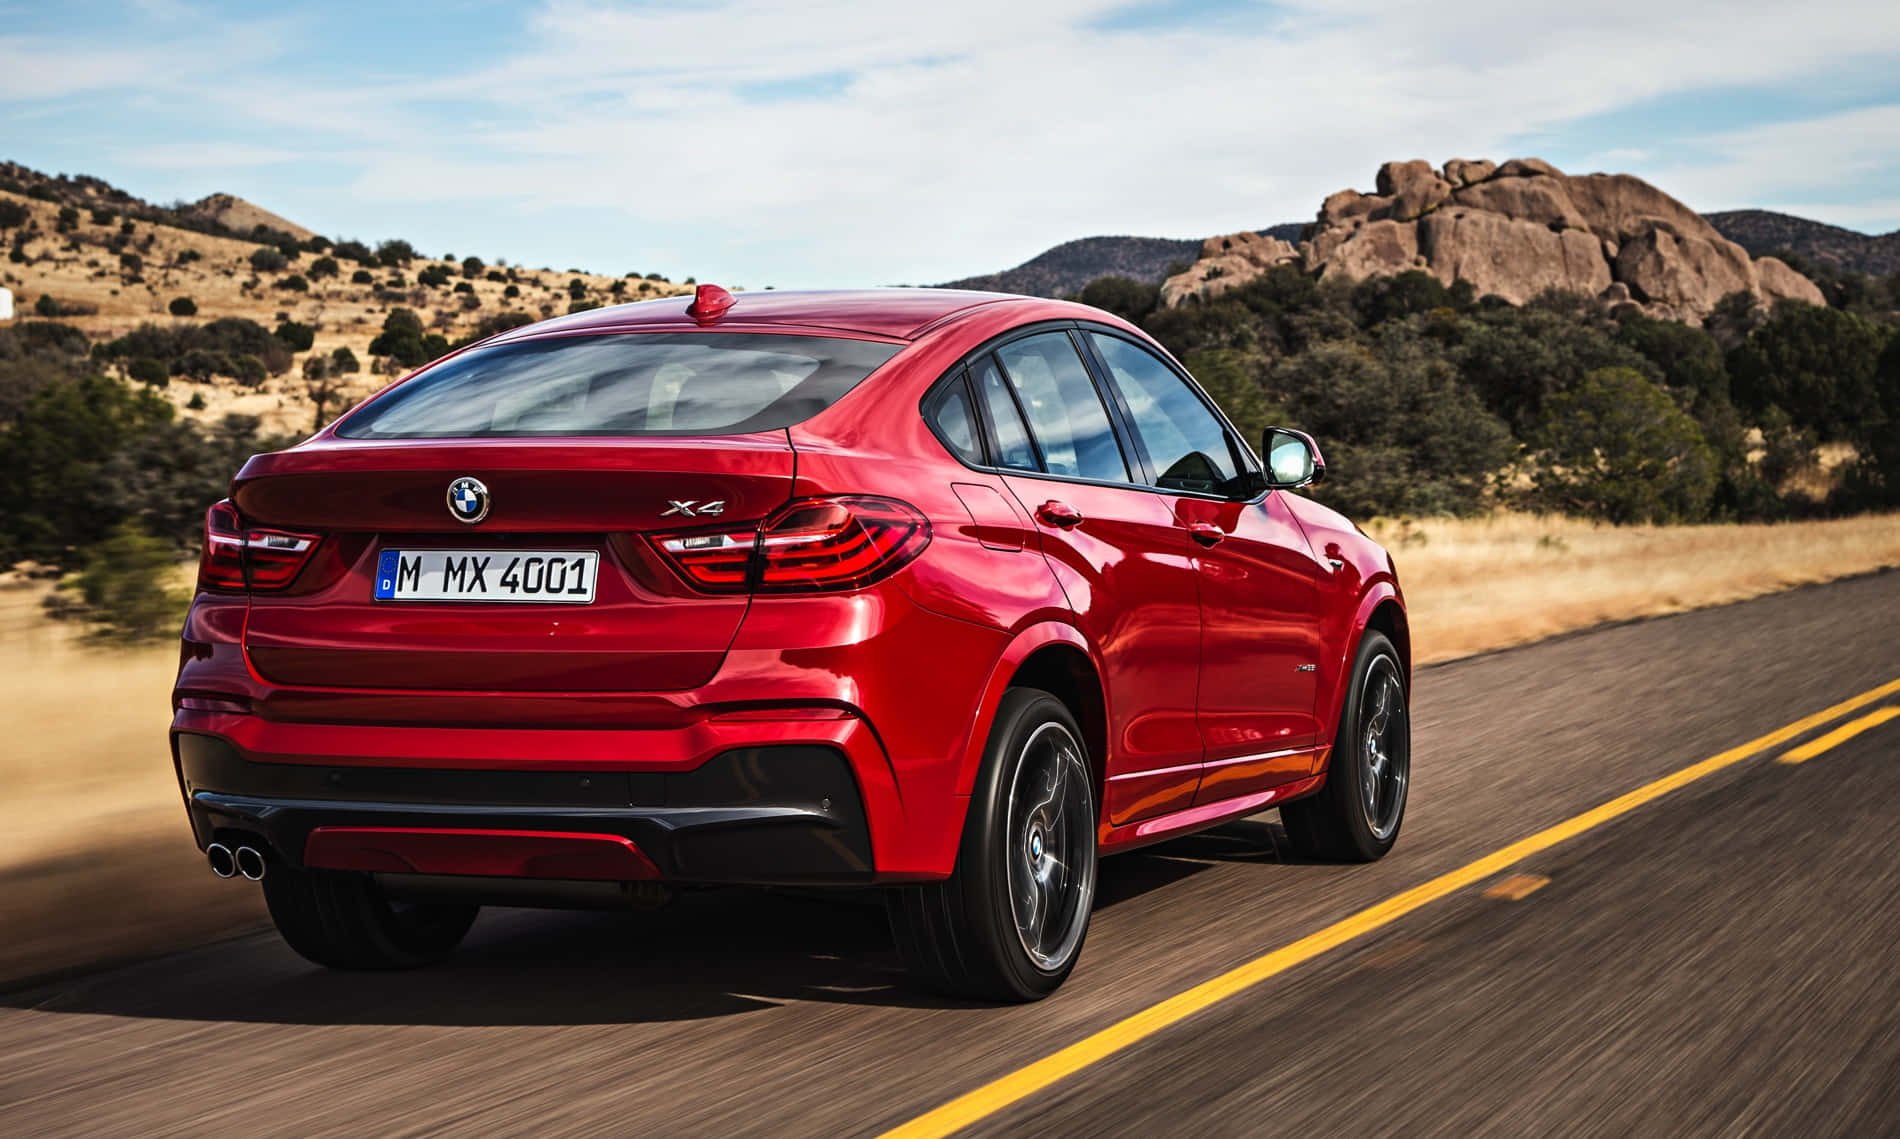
x: 1293, y: 459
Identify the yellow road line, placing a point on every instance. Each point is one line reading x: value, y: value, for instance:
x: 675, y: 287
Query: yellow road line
x: 1000, y: 1093
x: 1838, y: 736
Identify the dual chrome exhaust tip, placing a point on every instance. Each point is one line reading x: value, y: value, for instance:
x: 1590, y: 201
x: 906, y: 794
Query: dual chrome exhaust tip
x: 244, y: 861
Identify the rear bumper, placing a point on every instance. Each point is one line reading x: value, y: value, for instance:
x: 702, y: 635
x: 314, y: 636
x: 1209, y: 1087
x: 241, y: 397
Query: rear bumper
x: 779, y: 814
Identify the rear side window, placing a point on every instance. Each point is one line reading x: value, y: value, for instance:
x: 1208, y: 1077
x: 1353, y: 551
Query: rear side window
x: 1013, y: 448
x: 950, y: 413
x: 672, y: 383
x: 1064, y: 409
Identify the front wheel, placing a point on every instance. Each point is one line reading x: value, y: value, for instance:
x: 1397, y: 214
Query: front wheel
x: 1009, y: 922
x: 1356, y: 815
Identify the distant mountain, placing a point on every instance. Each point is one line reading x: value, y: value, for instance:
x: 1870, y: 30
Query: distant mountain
x: 220, y: 215
x: 1764, y: 231
x: 1062, y: 271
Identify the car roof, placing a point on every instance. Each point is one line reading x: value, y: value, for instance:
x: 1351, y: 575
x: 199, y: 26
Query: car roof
x: 894, y: 312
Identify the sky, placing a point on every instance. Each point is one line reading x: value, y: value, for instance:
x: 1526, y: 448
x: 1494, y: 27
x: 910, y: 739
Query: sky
x: 826, y: 143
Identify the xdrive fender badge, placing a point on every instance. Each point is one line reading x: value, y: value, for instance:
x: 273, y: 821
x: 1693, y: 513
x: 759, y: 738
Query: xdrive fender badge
x: 468, y: 500
x: 692, y: 507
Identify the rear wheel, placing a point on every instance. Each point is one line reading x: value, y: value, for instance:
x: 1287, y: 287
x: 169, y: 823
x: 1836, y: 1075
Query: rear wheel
x: 1009, y: 922
x: 342, y: 920
x: 1356, y: 815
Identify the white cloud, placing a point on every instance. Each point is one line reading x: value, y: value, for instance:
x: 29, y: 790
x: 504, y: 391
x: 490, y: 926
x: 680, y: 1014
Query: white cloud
x: 971, y: 136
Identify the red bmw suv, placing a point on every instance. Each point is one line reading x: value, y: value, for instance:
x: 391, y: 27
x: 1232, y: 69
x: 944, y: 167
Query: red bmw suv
x: 944, y: 593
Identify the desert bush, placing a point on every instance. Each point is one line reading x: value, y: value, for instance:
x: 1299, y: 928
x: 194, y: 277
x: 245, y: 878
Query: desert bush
x: 131, y: 263
x: 433, y: 276
x: 183, y: 306
x: 249, y: 369
x: 362, y: 277
x: 295, y: 283
x: 496, y: 276
x: 577, y: 288
x: 67, y: 221
x: 463, y: 287
x: 353, y: 251
x: 149, y: 370
x: 268, y: 259
x: 395, y: 252
x: 1618, y: 448
x: 1817, y: 364
x: 582, y: 306
x: 472, y: 267
x: 511, y: 292
x: 125, y: 586
x: 324, y: 268
x: 1129, y: 299
x: 342, y: 360
x: 13, y: 215
x: 295, y: 336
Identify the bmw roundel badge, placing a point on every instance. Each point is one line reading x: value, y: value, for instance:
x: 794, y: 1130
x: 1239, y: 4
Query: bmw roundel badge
x: 468, y: 500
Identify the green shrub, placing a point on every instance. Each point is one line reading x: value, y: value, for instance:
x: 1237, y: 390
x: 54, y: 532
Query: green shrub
x: 295, y: 336
x: 149, y: 370
x: 1127, y: 298
x: 1618, y: 448
x: 1817, y: 364
x: 183, y: 306
x: 13, y: 215
x: 395, y: 252
x: 248, y: 369
x: 432, y: 276
x: 343, y: 361
x: 362, y: 277
x: 268, y: 259
x: 295, y: 283
x: 126, y: 586
x: 131, y: 263
x: 511, y: 292
x: 324, y: 268
x: 472, y: 267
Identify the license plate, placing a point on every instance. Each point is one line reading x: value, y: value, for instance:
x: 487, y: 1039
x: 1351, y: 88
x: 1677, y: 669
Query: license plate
x: 544, y: 576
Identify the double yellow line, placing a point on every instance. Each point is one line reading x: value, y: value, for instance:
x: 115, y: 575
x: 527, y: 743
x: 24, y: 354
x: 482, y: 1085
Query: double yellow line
x: 998, y: 1094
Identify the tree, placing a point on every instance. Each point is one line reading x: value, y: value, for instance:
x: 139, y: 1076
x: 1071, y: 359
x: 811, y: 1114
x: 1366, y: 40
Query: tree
x: 1616, y: 447
x: 148, y: 370
x: 183, y: 306
x: 248, y: 369
x: 395, y: 252
x: 472, y: 267
x: 1125, y: 297
x: 268, y: 259
x: 13, y: 215
x: 127, y: 595
x: 324, y: 268
x: 1817, y: 364
x: 1688, y: 358
x: 320, y: 387
x: 295, y: 336
x: 343, y: 361
x: 433, y: 276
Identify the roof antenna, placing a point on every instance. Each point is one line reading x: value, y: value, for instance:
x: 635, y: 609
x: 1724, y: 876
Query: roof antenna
x: 710, y: 303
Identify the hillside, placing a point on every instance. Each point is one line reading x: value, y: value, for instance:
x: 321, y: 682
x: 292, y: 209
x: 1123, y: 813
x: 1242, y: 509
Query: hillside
x: 1063, y: 270
x: 113, y: 263
x: 1764, y: 231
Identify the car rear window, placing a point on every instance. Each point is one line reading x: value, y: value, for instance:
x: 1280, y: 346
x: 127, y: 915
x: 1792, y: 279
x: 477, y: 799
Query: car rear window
x: 670, y: 383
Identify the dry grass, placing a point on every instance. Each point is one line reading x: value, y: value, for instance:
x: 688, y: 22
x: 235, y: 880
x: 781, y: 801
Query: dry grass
x: 343, y: 314
x: 1487, y: 583
x: 97, y: 860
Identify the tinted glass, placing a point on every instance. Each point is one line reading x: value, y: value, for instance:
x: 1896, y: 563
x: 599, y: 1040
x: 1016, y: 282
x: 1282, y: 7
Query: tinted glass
x: 1012, y: 438
x: 951, y: 415
x: 1065, y: 411
x: 1187, y: 443
x: 674, y: 383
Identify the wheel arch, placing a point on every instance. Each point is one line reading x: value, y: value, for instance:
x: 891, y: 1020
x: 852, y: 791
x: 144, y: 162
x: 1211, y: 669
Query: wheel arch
x: 1056, y: 658
x: 1381, y: 608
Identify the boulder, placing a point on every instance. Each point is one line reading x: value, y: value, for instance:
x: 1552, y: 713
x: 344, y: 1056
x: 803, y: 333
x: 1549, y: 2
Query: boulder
x: 1468, y: 171
x: 1617, y: 207
x: 1342, y: 207
x: 1781, y: 283
x: 1226, y: 262
x: 1394, y: 176
x: 1687, y: 274
x: 1377, y: 248
x: 1528, y: 168
x: 1509, y: 257
x: 1542, y: 200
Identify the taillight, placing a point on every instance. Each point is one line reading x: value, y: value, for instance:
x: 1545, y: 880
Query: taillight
x: 806, y: 546
x: 237, y: 557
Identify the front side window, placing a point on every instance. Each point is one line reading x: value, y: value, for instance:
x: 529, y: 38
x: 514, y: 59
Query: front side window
x: 670, y: 383
x: 1188, y: 444
x: 1064, y: 409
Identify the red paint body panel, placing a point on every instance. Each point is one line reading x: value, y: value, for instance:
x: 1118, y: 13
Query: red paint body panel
x: 490, y: 853
x: 1197, y: 648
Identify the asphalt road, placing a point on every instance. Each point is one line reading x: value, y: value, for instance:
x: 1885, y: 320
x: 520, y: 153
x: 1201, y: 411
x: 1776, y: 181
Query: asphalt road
x: 1718, y: 961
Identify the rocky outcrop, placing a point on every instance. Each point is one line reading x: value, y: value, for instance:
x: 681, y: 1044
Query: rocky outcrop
x: 1513, y: 231
x: 1226, y: 262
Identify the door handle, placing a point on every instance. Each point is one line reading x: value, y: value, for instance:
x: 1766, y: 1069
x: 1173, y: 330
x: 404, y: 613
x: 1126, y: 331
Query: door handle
x: 1060, y: 514
x: 1206, y: 533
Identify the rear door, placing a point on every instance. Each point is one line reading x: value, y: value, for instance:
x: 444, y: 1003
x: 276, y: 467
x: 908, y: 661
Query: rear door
x: 1257, y: 575
x: 1119, y: 554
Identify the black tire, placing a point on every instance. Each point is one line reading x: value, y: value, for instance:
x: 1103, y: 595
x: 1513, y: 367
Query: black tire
x: 1029, y: 846
x: 1341, y: 822
x: 342, y: 920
